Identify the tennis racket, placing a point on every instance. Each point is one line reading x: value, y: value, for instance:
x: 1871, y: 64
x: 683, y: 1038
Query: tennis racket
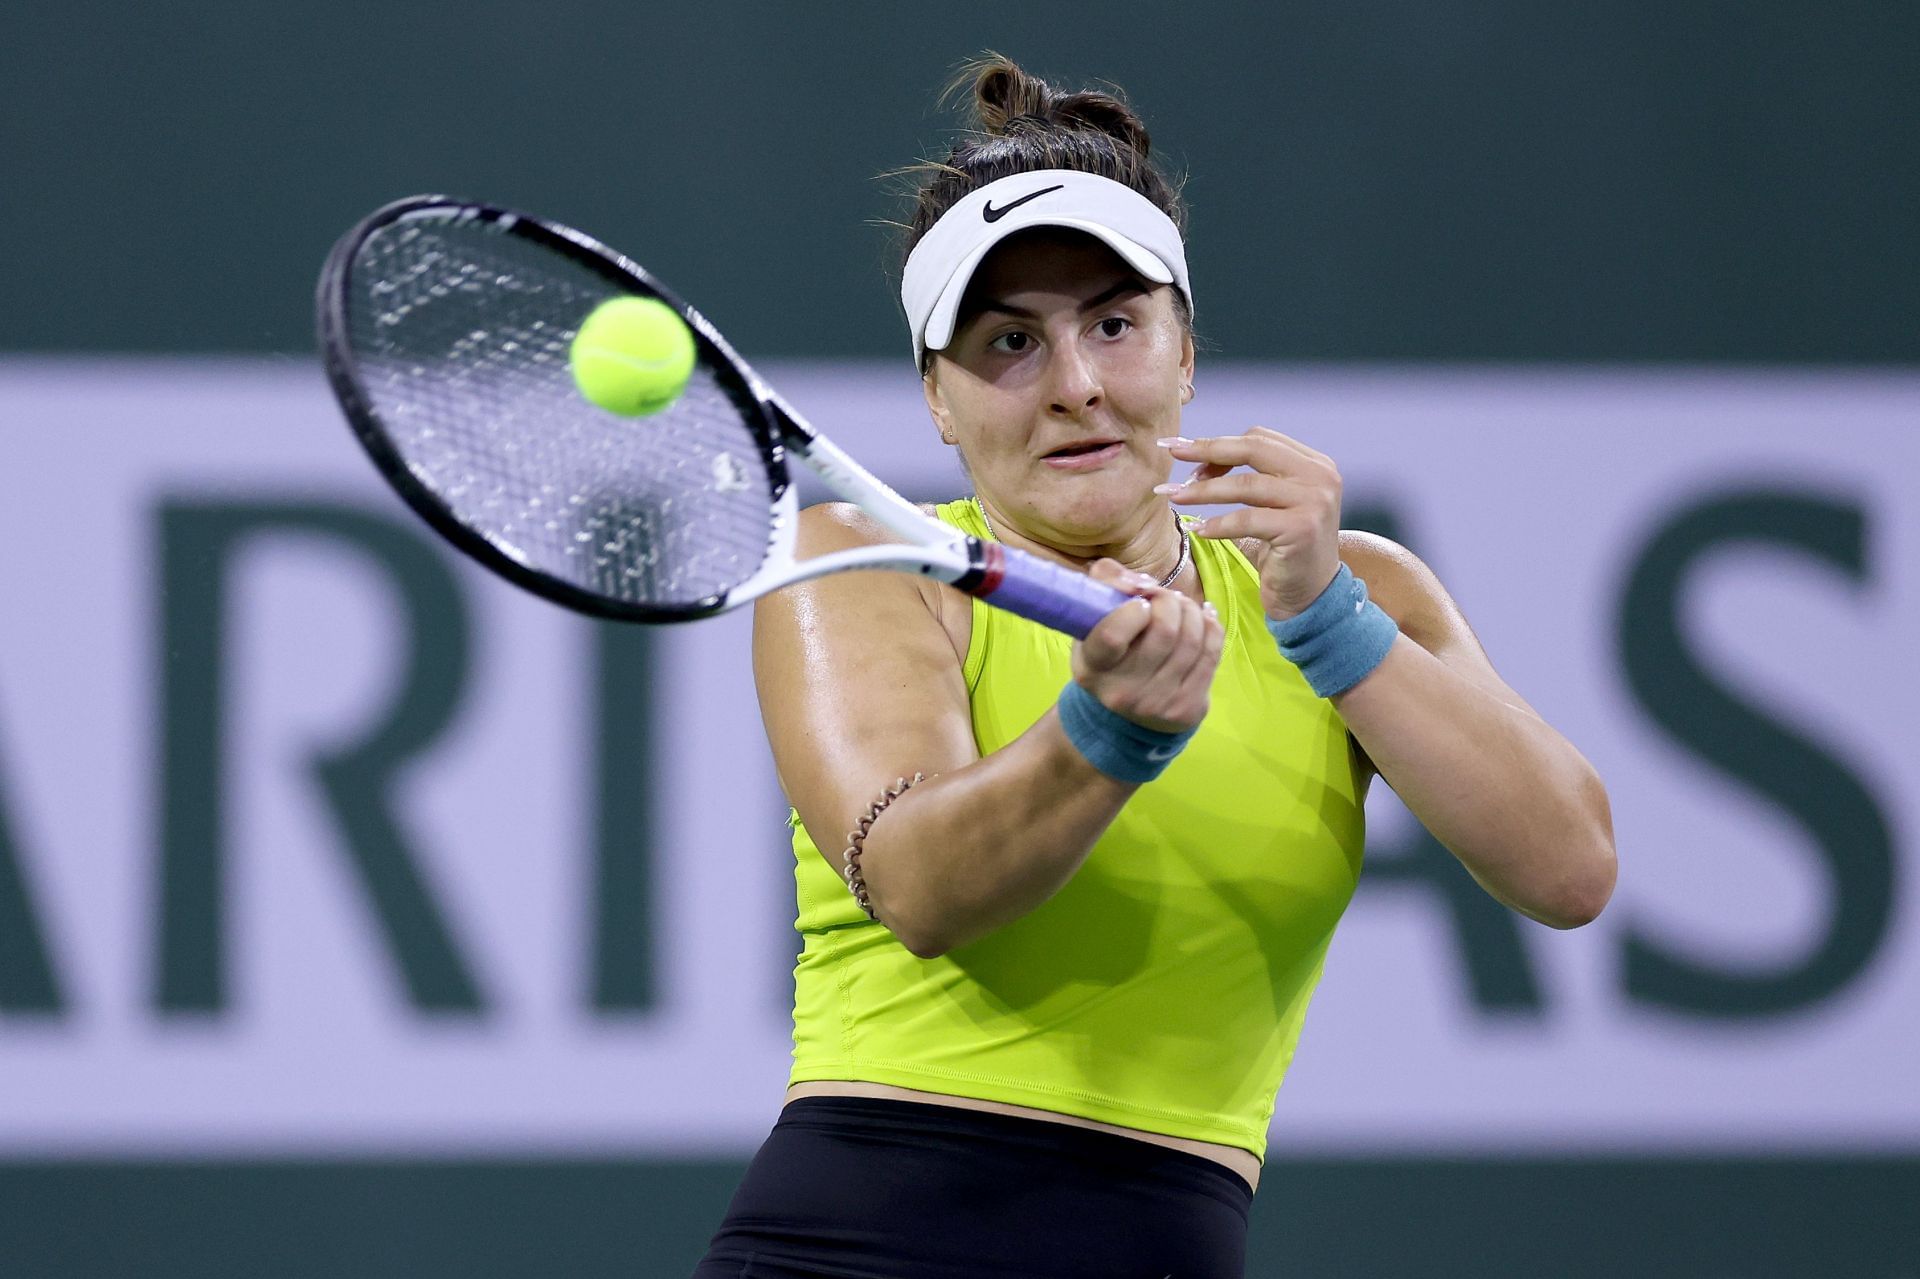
x: 445, y: 329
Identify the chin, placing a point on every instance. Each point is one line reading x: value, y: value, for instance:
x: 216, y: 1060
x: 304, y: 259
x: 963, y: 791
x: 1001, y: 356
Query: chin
x: 1094, y: 505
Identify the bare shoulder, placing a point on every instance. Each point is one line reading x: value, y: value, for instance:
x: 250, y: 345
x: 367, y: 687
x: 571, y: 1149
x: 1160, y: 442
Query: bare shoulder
x: 1401, y: 583
x: 841, y: 526
x: 858, y: 680
x: 1397, y: 580
x: 1414, y: 597
x: 838, y: 526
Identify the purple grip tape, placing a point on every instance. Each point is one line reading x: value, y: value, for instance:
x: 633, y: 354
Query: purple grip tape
x: 1051, y: 595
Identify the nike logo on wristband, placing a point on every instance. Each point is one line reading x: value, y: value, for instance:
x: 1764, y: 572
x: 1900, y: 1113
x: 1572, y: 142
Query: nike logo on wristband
x: 992, y: 214
x: 1159, y: 753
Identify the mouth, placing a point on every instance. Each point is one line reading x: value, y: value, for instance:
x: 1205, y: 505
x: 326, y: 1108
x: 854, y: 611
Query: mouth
x: 1083, y: 454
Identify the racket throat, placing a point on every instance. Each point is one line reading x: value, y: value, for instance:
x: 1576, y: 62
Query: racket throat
x: 986, y: 568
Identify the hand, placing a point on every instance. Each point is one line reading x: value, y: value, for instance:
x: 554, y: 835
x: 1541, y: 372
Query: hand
x: 1152, y: 659
x: 1290, y: 499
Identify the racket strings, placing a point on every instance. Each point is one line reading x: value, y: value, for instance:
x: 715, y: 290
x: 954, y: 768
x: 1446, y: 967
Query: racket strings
x: 461, y: 331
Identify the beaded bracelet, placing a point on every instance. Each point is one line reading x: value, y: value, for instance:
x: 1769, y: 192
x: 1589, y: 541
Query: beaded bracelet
x: 857, y: 839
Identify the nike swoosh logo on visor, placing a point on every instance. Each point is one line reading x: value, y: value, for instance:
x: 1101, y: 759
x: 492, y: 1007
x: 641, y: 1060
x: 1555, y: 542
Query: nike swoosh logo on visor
x: 992, y: 214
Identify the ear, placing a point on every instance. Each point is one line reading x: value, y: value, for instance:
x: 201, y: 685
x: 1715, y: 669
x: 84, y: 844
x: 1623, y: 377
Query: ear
x: 937, y: 404
x: 1186, y: 369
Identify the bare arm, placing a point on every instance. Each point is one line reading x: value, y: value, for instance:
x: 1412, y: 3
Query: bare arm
x: 1509, y: 796
x: 860, y: 684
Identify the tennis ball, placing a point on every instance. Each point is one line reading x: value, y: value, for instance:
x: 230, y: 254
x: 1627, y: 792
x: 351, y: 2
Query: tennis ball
x: 632, y: 356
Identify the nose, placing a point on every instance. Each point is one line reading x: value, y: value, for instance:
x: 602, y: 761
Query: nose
x: 1076, y: 381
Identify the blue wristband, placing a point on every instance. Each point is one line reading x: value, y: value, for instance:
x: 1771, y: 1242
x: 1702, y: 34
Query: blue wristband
x: 1340, y: 637
x: 1114, y: 744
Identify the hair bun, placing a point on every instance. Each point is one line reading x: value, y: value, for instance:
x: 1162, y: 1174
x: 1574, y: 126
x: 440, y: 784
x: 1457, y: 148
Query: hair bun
x: 1003, y: 93
x: 1108, y: 114
x: 1008, y: 100
x: 1021, y: 124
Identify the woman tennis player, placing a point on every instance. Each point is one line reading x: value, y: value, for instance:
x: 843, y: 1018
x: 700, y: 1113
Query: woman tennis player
x: 1052, y: 979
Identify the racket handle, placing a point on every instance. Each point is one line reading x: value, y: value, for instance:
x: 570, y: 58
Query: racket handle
x: 1038, y: 589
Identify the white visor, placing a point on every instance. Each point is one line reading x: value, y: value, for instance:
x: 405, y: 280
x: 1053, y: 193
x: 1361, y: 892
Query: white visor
x: 944, y: 261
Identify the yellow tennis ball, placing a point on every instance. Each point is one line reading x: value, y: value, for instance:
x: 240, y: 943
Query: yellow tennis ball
x: 632, y: 356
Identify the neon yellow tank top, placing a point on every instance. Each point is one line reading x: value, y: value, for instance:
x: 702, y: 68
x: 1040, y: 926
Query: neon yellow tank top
x: 1164, y: 986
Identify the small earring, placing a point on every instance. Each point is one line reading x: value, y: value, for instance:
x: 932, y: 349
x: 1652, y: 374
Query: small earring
x: 1186, y: 393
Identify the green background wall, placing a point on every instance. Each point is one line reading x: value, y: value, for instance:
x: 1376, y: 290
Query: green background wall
x: 1400, y: 180
x: 1388, y: 179
x: 1604, y: 1219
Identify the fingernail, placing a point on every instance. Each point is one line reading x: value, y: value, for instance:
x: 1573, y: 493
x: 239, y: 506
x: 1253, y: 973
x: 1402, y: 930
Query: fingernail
x: 1167, y: 489
x: 1140, y: 580
x: 1169, y: 441
x: 1209, y: 609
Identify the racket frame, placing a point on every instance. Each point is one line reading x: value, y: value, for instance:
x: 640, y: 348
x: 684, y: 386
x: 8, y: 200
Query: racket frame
x: 930, y: 549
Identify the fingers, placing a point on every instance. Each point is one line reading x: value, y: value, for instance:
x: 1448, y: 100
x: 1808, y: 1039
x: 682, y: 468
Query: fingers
x: 1187, y: 655
x: 1160, y: 637
x: 1275, y: 527
x: 1288, y: 493
x: 1252, y: 488
x: 1206, y: 471
x: 1152, y: 660
x: 1110, y: 639
x: 1108, y: 644
x: 1176, y: 696
x: 1260, y: 447
x: 1120, y: 577
x: 1268, y: 454
x: 1199, y: 679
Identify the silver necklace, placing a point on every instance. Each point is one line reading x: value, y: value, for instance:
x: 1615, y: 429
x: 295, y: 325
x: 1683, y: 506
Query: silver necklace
x: 1179, y: 564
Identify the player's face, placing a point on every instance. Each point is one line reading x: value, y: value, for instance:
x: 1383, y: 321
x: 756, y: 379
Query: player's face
x: 1064, y: 370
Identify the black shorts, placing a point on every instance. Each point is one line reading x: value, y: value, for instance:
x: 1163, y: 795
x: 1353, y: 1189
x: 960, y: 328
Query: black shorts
x: 866, y: 1188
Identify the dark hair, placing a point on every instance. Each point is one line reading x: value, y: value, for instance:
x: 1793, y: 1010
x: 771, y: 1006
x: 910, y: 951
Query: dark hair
x: 1022, y: 123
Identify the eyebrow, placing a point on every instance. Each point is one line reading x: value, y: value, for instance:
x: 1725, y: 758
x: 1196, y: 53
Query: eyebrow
x: 1094, y: 303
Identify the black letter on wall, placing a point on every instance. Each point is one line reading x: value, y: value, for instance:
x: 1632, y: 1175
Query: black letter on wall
x: 27, y: 983
x: 199, y: 542
x: 623, y: 936
x: 1682, y: 696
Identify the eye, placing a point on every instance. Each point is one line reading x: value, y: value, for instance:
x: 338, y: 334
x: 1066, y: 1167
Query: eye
x: 1115, y: 325
x: 1013, y: 342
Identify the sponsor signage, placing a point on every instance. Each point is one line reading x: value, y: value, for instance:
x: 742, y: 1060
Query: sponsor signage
x: 314, y: 839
